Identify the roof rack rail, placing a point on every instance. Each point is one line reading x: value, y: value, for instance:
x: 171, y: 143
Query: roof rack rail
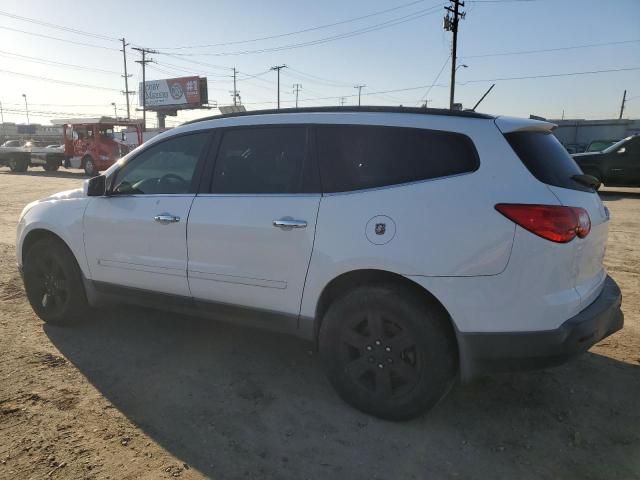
x: 367, y: 109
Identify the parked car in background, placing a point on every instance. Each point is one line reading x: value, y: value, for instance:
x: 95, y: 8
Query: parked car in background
x: 599, y: 145
x: 15, y: 155
x: 616, y: 165
x: 413, y: 246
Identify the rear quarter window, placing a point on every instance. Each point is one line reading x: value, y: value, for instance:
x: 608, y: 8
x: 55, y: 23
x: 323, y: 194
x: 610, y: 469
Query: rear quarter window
x: 546, y: 159
x: 356, y: 157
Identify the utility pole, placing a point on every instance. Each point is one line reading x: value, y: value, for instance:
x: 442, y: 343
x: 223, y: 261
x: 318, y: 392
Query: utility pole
x: 624, y: 99
x: 296, y: 90
x: 278, y: 68
x: 343, y: 101
x: 451, y: 25
x: 126, y: 77
x: 235, y: 91
x: 144, y: 62
x: 359, y: 87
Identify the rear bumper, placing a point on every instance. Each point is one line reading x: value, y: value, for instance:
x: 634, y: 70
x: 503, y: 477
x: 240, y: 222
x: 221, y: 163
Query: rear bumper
x: 510, y: 351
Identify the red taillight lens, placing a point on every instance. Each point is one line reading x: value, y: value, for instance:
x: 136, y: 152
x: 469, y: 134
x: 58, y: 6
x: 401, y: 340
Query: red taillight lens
x: 556, y: 223
x: 584, y: 222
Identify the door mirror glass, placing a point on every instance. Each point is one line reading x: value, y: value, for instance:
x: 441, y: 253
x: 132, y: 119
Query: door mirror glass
x: 96, y: 186
x: 622, y: 150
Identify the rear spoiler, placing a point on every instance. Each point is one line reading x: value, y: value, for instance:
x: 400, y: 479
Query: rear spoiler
x: 513, y: 124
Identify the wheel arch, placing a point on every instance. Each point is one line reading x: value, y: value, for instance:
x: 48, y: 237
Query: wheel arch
x: 345, y: 282
x: 37, y: 234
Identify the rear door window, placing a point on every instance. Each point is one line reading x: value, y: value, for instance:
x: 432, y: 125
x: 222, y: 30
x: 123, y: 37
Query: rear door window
x: 264, y: 160
x: 356, y: 157
x: 546, y: 158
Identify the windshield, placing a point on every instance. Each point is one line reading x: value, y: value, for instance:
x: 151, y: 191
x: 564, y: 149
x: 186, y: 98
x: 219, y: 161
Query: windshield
x: 617, y: 145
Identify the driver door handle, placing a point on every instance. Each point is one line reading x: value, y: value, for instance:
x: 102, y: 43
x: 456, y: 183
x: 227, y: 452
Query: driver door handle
x: 166, y: 218
x: 288, y: 223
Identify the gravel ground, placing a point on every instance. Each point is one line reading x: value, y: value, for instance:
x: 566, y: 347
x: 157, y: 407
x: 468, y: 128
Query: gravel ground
x: 137, y: 394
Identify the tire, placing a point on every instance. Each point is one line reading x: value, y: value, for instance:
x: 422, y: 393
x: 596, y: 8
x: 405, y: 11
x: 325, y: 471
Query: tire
x: 53, y: 283
x: 18, y: 164
x: 90, y: 167
x: 388, y: 352
x: 50, y: 167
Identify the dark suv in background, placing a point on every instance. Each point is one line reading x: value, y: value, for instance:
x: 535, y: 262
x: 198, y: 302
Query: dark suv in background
x: 617, y: 165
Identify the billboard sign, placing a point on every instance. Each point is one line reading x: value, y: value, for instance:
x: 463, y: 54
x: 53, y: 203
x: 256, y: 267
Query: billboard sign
x: 172, y: 93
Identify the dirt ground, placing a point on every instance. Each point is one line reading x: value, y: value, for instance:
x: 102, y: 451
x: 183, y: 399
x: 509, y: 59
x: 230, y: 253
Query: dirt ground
x: 136, y: 394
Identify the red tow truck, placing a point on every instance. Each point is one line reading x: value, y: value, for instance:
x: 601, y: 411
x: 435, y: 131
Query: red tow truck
x: 94, y: 144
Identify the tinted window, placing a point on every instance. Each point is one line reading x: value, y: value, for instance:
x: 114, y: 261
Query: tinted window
x: 261, y: 160
x: 546, y: 158
x: 167, y: 167
x: 357, y: 157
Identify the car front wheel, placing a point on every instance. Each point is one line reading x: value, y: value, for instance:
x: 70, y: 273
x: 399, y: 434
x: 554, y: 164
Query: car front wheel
x: 387, y: 351
x: 90, y: 167
x: 53, y: 283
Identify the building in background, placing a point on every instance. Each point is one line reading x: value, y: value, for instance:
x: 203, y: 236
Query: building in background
x: 576, y: 135
x: 34, y: 131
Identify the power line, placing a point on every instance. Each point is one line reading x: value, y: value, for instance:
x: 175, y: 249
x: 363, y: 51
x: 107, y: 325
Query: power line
x: 484, y: 80
x: 62, y: 82
x: 311, y: 29
x: 372, y: 28
x: 59, y: 27
x: 42, y: 35
x: 556, y: 49
x: 424, y: 97
x: 55, y: 64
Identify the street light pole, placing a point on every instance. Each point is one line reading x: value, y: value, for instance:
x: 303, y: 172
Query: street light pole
x: 26, y: 106
x: 115, y: 111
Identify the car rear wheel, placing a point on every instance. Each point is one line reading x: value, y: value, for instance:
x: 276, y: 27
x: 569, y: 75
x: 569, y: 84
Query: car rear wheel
x: 53, y: 283
x: 387, y: 352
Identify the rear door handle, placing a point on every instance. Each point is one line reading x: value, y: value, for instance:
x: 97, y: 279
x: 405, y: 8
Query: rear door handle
x: 288, y: 223
x: 166, y: 218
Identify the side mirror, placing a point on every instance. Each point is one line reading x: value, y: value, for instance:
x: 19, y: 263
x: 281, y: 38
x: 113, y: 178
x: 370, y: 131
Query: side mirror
x: 96, y: 186
x: 621, y: 150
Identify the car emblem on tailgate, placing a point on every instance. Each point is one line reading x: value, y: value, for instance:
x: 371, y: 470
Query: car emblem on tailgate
x: 381, y: 228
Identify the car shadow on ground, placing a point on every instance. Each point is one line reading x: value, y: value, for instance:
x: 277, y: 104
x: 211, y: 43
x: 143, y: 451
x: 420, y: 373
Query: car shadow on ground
x: 237, y: 402
x: 37, y: 172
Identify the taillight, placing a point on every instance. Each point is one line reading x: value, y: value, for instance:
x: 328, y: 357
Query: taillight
x: 556, y: 223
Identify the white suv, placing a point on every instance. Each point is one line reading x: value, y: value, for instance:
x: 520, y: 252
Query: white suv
x: 414, y: 246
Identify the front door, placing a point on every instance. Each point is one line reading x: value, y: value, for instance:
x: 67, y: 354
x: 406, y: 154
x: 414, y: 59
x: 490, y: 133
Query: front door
x: 136, y: 236
x: 250, y: 239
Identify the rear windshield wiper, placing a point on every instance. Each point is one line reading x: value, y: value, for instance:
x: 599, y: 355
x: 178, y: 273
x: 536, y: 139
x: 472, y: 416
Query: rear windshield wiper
x: 587, y: 180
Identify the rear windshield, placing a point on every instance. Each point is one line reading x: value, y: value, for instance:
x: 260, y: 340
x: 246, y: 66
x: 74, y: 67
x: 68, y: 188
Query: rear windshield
x: 546, y: 159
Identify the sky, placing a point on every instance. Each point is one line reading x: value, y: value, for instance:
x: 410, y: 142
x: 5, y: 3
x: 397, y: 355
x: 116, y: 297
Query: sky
x: 398, y: 48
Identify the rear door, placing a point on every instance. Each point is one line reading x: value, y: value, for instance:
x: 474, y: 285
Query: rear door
x: 250, y: 236
x: 546, y: 158
x: 136, y: 236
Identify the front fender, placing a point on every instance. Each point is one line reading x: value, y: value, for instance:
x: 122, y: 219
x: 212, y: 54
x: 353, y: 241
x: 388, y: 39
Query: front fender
x: 63, y: 218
